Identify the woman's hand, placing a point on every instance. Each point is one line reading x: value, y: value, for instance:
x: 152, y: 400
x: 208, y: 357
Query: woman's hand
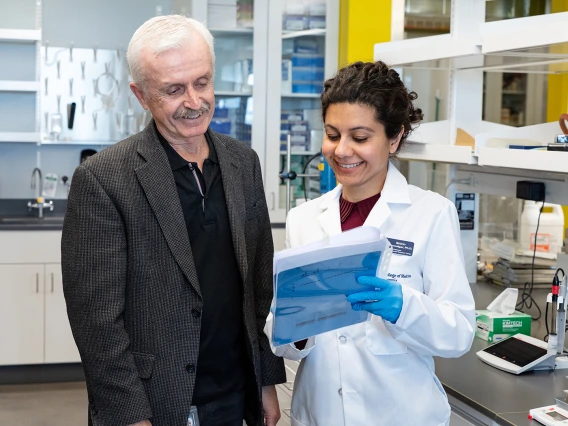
x: 385, y: 301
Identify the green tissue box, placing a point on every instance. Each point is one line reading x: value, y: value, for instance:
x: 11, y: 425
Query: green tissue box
x: 493, y: 327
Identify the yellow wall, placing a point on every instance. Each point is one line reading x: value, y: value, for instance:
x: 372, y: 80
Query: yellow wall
x: 362, y: 23
x: 558, y: 86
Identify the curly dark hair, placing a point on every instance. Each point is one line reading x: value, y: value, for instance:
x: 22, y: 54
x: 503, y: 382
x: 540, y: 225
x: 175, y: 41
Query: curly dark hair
x: 376, y: 85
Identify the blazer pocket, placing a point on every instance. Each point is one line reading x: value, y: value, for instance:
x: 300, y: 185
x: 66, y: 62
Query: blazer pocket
x: 379, y: 340
x: 144, y: 364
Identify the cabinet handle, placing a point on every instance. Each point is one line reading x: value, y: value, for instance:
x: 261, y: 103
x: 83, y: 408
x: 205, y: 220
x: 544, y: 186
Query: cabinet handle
x: 37, y: 282
x: 52, y: 282
x: 273, y: 200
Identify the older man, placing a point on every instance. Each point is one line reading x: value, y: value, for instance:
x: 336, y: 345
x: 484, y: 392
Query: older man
x: 167, y: 254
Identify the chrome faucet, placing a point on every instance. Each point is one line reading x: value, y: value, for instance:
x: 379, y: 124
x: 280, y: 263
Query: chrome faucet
x: 40, y: 203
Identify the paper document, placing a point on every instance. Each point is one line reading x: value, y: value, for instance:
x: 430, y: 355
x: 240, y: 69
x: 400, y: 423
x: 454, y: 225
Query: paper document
x: 312, y: 282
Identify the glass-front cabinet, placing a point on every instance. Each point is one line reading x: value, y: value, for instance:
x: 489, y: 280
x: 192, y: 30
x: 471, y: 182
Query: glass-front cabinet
x: 232, y: 24
x: 302, y: 53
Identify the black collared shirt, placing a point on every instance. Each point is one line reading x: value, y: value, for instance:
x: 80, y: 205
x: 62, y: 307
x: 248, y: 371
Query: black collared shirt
x: 221, y: 363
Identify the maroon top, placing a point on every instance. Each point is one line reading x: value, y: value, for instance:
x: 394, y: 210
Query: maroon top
x: 355, y: 214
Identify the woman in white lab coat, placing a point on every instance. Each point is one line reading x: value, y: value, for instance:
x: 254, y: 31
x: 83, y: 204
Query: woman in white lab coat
x: 381, y: 372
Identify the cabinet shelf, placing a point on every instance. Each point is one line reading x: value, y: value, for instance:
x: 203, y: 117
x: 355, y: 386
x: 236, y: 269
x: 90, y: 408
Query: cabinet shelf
x: 20, y: 36
x: 521, y: 42
x: 545, y: 161
x: 303, y: 33
x: 30, y: 137
x: 302, y: 95
x: 64, y: 142
x: 230, y: 31
x: 231, y: 93
x: 305, y: 153
x: 414, y: 151
x: 19, y: 86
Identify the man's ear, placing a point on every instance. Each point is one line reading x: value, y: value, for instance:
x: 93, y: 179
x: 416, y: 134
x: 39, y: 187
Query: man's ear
x: 140, y: 94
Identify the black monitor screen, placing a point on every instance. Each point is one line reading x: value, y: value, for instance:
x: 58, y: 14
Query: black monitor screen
x: 516, y: 351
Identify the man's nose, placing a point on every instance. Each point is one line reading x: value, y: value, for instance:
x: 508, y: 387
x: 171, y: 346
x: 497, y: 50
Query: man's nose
x: 191, y: 99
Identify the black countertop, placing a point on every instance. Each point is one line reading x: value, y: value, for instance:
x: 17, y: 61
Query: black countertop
x: 503, y: 397
x: 15, y: 216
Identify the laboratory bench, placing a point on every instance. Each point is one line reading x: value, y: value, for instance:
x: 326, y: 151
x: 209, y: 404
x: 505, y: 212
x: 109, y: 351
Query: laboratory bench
x: 489, y: 396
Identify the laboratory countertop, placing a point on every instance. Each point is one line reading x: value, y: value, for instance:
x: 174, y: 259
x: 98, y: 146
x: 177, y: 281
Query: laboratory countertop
x: 15, y: 216
x: 503, y: 397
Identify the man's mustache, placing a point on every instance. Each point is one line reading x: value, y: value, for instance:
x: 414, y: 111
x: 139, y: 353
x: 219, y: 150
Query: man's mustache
x: 192, y: 113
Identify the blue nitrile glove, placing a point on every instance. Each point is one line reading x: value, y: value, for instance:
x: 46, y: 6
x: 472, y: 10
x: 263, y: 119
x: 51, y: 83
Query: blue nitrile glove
x: 385, y: 301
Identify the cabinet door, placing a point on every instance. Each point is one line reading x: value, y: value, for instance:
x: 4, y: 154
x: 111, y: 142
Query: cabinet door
x: 59, y: 344
x: 21, y: 314
x: 302, y: 49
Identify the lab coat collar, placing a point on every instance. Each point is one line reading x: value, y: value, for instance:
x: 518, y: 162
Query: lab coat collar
x: 395, y: 191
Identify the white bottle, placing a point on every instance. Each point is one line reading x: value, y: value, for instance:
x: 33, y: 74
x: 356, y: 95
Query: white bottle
x: 550, y: 230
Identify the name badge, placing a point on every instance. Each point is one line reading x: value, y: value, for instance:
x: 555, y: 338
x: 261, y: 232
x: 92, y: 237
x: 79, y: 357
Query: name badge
x: 405, y: 248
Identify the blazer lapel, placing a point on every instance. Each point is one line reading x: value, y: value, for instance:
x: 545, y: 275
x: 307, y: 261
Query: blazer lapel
x: 234, y: 197
x: 157, y: 180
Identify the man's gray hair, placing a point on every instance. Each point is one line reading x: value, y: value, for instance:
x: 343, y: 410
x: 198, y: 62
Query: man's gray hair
x: 163, y: 33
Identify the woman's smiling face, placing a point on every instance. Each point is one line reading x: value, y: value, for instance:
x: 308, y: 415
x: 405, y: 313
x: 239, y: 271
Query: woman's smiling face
x: 357, y: 148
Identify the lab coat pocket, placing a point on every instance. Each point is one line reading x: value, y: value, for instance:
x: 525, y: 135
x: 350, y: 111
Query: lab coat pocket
x: 379, y: 340
x: 295, y: 422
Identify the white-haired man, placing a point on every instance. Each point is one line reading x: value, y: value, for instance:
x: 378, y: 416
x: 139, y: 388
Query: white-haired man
x: 167, y: 254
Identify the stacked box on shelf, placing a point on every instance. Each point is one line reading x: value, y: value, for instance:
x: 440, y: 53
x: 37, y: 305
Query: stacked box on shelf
x: 301, y: 15
x: 245, y: 13
x: 221, y: 122
x: 292, y: 123
x: 222, y: 14
x: 303, y: 67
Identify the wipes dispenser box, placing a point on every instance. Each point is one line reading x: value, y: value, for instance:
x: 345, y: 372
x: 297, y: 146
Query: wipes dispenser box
x: 500, y: 320
x: 493, y: 326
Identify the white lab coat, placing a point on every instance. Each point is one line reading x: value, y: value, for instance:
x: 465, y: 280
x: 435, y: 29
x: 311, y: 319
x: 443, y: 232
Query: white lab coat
x: 378, y: 373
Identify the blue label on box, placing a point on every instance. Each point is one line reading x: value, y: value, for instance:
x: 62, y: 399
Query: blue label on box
x: 405, y: 248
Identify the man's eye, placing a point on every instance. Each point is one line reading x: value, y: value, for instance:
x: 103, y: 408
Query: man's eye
x: 174, y: 91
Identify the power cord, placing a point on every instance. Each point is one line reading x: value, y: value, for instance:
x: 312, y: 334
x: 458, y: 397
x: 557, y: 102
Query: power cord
x: 466, y: 181
x: 526, y: 296
x: 312, y: 158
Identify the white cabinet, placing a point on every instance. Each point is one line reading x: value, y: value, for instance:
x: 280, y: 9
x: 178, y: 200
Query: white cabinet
x: 21, y: 314
x: 59, y: 343
x: 34, y: 328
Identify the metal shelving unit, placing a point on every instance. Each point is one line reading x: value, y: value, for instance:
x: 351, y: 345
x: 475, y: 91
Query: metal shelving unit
x: 24, y: 36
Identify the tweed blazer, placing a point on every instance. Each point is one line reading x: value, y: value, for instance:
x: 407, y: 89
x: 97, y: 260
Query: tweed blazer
x: 131, y: 287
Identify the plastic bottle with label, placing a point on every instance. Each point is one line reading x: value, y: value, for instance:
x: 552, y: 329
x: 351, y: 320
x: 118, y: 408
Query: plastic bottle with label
x: 550, y: 231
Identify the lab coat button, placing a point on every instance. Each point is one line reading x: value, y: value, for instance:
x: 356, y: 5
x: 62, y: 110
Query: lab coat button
x: 340, y: 392
x: 343, y: 339
x: 190, y: 368
x: 196, y: 313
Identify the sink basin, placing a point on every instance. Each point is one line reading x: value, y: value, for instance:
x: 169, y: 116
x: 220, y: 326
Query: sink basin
x: 28, y: 220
